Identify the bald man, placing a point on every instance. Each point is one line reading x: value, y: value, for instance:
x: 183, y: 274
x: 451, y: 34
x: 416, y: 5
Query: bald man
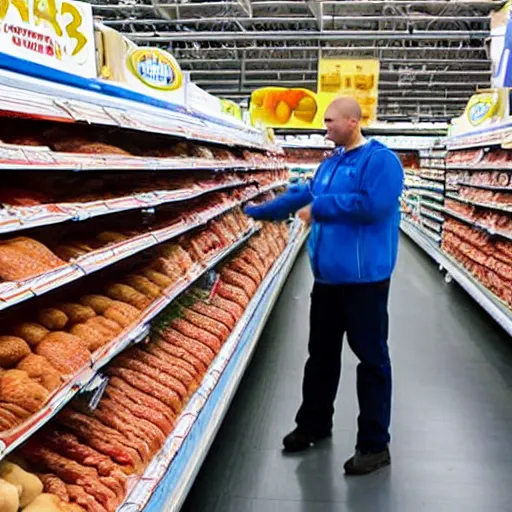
x: 353, y: 206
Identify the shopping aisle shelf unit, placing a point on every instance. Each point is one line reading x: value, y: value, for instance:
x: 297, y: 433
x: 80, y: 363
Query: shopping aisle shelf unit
x: 104, y: 218
x: 473, y: 207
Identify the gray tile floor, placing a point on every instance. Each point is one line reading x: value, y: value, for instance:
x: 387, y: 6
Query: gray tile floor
x: 452, y: 417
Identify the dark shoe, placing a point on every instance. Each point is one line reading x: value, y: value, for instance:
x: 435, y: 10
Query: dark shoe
x: 298, y: 440
x: 365, y: 463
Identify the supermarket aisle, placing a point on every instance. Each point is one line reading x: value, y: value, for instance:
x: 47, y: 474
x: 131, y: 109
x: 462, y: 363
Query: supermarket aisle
x: 452, y: 418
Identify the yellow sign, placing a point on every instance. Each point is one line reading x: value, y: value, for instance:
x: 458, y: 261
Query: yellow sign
x: 54, y: 33
x: 231, y: 108
x: 349, y: 77
x: 481, y: 107
x: 155, y: 68
x: 279, y: 107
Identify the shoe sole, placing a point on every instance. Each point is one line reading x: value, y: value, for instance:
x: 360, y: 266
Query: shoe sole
x: 382, y: 465
x: 292, y: 449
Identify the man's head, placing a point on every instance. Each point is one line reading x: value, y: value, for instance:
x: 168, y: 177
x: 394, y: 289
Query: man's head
x: 343, y: 121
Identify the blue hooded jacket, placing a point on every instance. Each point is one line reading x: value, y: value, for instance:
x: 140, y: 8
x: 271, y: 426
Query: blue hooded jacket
x: 355, y: 214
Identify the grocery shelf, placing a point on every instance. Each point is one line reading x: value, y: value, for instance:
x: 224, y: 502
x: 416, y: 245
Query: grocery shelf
x: 477, y: 167
x: 433, y: 206
x: 430, y: 215
x: 424, y: 186
x: 491, y: 206
x: 10, y: 440
x: 12, y: 293
x: 490, y: 231
x: 70, y: 98
x: 488, y: 301
x: 17, y: 218
x: 431, y: 178
x: 496, y: 188
x: 167, y: 480
x: 41, y: 158
x: 434, y: 167
x: 435, y: 237
x: 490, y: 136
x: 425, y: 193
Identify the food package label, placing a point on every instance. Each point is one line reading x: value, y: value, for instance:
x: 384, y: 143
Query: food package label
x: 279, y: 107
x: 349, y: 77
x: 56, y: 33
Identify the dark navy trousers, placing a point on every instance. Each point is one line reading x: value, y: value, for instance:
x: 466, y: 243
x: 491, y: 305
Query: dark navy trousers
x: 361, y: 312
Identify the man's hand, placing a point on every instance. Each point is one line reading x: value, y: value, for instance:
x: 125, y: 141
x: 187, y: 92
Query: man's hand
x: 305, y: 215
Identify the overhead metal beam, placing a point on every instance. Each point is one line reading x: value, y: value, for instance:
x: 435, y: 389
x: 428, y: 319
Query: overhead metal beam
x: 417, y: 99
x: 486, y: 5
x: 315, y: 48
x: 490, y: 4
x: 331, y: 35
x: 313, y: 72
x: 299, y: 19
x: 408, y: 62
x: 317, y: 9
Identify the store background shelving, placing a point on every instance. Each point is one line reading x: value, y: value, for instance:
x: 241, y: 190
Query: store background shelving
x: 474, y: 242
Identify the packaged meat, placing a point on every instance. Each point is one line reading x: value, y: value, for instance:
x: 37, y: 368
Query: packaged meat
x: 127, y: 294
x: 241, y: 266
x: 159, y: 348
x: 12, y: 350
x: 36, y: 250
x: 174, y: 337
x: 77, y: 313
x: 53, y: 319
x: 83, y: 499
x: 237, y: 279
x: 90, y: 336
x: 103, y: 439
x: 233, y: 293
x: 17, y: 388
x: 144, y: 285
x: 209, y: 324
x: 141, y: 398
x: 191, y: 331
x: 110, y: 237
x: 234, y: 309
x: 157, y: 375
x: 140, y: 411
x: 41, y: 371
x: 98, y: 303
x: 54, y: 485
x: 172, y: 359
x: 65, y: 352
x: 161, y: 280
x: 16, y: 266
x: 31, y: 332
x: 121, y: 313
x: 149, y: 386
x: 214, y: 312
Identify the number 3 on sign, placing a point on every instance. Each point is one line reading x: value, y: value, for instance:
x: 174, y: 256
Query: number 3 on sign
x: 46, y: 11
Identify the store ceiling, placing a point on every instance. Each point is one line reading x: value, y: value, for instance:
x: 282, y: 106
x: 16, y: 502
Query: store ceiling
x: 433, y: 52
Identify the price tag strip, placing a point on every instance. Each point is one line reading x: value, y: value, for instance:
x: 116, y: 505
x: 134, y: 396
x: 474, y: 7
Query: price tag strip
x: 16, y: 218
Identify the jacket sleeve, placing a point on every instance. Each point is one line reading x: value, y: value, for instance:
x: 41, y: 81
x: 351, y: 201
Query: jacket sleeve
x: 377, y: 198
x: 282, y: 206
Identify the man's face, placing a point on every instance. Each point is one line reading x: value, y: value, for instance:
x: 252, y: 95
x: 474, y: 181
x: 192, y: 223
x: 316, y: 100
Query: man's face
x: 340, y: 128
